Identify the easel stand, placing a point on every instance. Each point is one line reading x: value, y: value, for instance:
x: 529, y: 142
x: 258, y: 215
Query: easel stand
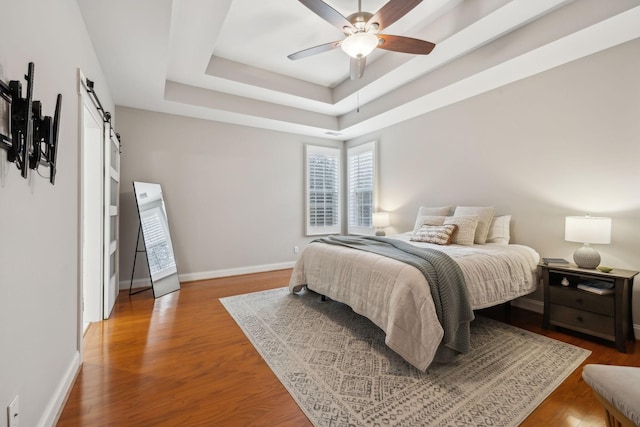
x: 134, y: 264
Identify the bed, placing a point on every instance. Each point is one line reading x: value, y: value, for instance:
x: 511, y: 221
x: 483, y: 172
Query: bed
x: 396, y: 296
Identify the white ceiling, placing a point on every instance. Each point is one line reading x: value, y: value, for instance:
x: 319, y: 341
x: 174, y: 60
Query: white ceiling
x: 226, y: 60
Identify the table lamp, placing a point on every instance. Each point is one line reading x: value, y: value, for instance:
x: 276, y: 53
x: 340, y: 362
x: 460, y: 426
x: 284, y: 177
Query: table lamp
x: 379, y: 221
x: 587, y: 229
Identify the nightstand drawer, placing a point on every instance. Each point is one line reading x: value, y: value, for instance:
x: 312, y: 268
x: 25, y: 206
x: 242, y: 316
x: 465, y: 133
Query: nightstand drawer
x: 582, y: 300
x: 583, y: 321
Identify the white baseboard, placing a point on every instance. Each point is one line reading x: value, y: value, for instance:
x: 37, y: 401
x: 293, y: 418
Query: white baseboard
x: 529, y: 304
x: 137, y: 283
x: 213, y: 274
x: 55, y: 406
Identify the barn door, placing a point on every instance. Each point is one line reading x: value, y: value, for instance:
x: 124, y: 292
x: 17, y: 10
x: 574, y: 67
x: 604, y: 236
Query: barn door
x: 111, y: 218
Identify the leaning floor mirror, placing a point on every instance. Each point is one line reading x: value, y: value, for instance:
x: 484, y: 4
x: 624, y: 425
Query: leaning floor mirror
x: 157, y: 240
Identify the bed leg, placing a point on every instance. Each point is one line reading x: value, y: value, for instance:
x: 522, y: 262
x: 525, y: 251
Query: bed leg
x: 507, y: 310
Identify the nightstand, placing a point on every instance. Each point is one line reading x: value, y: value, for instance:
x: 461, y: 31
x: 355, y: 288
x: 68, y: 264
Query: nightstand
x: 604, y: 316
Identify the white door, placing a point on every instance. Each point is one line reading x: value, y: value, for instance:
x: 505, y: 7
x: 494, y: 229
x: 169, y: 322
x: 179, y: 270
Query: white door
x: 92, y: 147
x: 111, y: 219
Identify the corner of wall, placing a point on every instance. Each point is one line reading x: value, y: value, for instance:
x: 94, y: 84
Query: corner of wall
x: 55, y: 406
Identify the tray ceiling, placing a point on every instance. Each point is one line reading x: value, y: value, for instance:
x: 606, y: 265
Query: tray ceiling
x: 226, y: 60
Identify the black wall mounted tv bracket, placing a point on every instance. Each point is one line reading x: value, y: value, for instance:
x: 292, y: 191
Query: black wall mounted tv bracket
x: 21, y: 123
x: 5, y: 116
x: 45, y: 138
x: 29, y: 138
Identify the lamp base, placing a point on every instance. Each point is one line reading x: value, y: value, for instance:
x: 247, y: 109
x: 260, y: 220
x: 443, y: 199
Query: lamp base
x: 380, y: 233
x: 586, y: 257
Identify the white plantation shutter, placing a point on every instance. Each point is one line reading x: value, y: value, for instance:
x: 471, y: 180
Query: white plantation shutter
x: 323, y: 190
x: 361, y: 170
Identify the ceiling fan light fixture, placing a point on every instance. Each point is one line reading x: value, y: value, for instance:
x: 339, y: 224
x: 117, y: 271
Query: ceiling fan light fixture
x: 359, y: 45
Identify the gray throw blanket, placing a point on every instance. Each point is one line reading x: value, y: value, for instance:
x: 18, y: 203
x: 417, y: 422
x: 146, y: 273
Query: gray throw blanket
x: 446, y: 282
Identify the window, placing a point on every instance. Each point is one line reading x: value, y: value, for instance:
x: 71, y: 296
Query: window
x: 323, y: 190
x: 361, y: 169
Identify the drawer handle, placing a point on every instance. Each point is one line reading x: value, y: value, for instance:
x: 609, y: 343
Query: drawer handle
x: 579, y: 319
x: 579, y: 300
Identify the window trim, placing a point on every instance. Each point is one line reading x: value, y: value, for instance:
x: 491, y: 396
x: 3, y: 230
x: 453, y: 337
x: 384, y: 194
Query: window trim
x: 351, y: 151
x: 312, y: 230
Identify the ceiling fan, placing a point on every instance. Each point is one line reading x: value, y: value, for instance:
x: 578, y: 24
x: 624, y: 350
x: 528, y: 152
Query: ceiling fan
x: 362, y: 31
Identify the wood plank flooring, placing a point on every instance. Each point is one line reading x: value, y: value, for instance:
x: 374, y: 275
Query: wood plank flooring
x: 181, y: 360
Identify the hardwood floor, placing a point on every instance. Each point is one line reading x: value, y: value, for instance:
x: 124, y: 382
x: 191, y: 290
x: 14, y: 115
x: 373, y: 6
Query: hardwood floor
x: 181, y: 360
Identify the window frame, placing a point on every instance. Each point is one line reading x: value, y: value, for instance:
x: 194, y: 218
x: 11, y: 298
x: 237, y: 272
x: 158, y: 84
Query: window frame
x: 351, y: 153
x: 314, y: 230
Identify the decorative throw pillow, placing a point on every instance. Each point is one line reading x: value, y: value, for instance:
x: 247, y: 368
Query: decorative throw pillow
x: 465, y: 233
x: 499, y: 230
x: 485, y: 215
x: 427, y: 211
x: 428, y: 220
x: 438, y: 234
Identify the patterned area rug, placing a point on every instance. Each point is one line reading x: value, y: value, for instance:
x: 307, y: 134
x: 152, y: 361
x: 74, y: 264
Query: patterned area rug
x: 336, y: 366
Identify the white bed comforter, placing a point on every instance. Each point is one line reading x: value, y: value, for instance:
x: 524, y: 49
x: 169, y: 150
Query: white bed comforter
x: 396, y: 297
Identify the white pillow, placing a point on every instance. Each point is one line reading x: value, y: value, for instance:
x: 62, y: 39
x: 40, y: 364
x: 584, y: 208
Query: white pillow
x: 428, y: 220
x: 465, y: 233
x: 499, y: 230
x: 485, y: 215
x: 427, y: 211
x: 442, y: 210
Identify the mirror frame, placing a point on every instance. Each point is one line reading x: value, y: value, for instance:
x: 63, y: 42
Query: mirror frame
x: 154, y: 224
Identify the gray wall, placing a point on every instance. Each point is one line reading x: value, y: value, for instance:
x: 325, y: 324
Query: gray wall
x: 234, y: 195
x: 39, y: 234
x: 564, y: 142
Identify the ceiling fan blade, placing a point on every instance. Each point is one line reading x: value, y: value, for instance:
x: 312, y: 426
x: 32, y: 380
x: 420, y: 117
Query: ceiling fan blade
x: 405, y: 44
x: 356, y: 67
x: 314, y: 50
x: 327, y: 13
x: 391, y: 12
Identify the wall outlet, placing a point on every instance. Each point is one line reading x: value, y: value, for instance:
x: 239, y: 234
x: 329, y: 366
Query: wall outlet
x: 13, y: 412
x: 295, y: 249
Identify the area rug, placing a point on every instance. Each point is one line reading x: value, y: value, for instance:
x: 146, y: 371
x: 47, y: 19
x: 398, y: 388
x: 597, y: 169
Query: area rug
x: 334, y: 363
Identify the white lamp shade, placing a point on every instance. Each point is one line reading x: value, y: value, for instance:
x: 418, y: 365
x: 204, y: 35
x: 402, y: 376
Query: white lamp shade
x: 359, y: 44
x: 588, y: 229
x: 380, y: 219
